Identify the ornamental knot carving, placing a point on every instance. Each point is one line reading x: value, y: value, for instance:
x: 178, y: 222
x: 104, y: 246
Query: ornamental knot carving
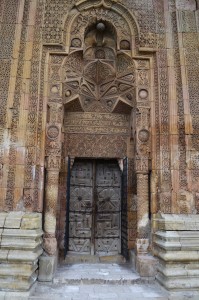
x: 144, y: 135
x: 53, y: 132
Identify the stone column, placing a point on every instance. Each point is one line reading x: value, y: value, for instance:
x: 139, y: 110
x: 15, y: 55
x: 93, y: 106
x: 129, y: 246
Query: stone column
x: 143, y: 205
x: 143, y: 145
x: 48, y: 261
x: 50, y: 242
x: 143, y: 227
x: 145, y: 264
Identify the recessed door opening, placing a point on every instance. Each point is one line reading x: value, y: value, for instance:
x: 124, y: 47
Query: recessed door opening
x: 95, y: 208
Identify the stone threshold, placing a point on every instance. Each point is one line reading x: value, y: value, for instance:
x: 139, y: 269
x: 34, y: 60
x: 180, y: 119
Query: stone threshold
x: 81, y: 258
x: 98, y: 273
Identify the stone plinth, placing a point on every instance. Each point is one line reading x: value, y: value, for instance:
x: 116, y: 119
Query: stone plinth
x: 144, y: 264
x: 20, y: 248
x: 47, y: 267
x: 177, y: 247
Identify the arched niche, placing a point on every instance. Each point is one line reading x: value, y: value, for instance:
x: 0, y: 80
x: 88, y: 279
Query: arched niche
x: 85, y: 13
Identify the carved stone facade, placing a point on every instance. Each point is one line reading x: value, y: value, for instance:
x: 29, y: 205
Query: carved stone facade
x: 100, y: 79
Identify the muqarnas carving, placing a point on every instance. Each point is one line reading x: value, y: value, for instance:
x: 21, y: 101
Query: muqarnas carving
x: 97, y: 77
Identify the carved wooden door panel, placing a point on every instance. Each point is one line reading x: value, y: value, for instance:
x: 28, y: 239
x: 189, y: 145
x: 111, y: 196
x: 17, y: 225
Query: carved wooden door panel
x: 124, y: 211
x: 81, y: 207
x: 108, y: 208
x: 95, y: 208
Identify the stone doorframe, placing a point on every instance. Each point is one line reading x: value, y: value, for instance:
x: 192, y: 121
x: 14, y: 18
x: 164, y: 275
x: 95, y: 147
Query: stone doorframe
x: 140, y: 126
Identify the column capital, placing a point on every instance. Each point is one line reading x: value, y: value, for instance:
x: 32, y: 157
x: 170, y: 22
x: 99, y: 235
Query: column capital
x: 141, y: 165
x: 53, y: 163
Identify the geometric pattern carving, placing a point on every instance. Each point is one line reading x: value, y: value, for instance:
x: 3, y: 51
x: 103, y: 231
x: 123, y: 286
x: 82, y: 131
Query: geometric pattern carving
x: 99, y: 81
x: 96, y: 135
x: 97, y: 75
x: 94, y: 209
x: 104, y: 146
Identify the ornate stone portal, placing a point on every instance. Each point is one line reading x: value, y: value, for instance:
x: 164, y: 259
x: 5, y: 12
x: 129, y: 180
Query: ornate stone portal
x: 101, y: 79
x: 100, y: 91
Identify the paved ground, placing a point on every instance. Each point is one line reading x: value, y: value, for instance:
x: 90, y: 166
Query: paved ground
x: 102, y: 281
x: 99, y: 292
x: 98, y: 273
x: 98, y: 281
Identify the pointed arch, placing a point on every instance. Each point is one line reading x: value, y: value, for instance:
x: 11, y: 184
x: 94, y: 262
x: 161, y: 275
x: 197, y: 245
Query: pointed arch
x: 85, y: 11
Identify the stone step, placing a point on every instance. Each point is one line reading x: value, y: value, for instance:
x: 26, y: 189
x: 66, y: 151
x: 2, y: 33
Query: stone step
x: 98, y: 273
x: 80, y: 258
x: 97, y: 280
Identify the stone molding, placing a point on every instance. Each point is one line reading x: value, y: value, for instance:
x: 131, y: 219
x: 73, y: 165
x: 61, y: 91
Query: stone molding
x: 176, y: 244
x: 176, y: 222
x: 20, y: 248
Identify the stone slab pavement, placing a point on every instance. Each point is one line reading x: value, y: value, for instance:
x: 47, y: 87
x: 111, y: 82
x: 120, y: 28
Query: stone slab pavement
x: 98, y: 282
x: 151, y: 291
x: 98, y: 273
x: 99, y: 292
x: 105, y: 281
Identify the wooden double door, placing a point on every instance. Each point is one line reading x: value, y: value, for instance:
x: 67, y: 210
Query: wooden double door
x: 95, y: 208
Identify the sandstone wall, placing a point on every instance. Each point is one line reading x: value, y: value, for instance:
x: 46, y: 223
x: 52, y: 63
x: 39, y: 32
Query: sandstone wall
x: 169, y: 26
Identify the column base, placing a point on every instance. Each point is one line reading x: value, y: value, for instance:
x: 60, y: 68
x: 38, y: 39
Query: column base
x: 47, y: 267
x: 145, y: 264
